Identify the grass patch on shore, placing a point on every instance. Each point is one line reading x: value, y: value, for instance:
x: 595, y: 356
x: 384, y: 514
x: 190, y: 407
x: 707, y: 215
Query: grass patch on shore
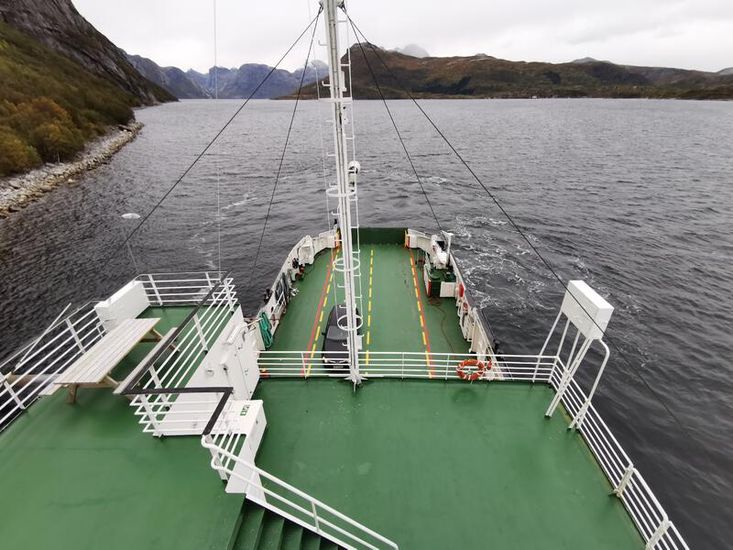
x: 50, y: 106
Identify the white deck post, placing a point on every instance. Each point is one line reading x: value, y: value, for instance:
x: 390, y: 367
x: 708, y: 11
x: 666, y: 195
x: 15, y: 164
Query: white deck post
x: 155, y: 289
x: 621, y: 487
x: 656, y: 537
x: 315, y: 517
x: 200, y: 332
x: 228, y: 290
x: 544, y: 346
x: 216, y: 460
x: 578, y: 420
x: 568, y: 377
x: 151, y: 415
x: 12, y: 393
x: 75, y: 335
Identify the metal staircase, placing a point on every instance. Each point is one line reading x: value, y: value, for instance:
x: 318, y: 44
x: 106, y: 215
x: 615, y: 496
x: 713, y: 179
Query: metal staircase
x: 261, y: 529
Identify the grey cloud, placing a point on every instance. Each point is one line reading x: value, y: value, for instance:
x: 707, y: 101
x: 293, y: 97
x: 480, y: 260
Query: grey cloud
x: 686, y: 33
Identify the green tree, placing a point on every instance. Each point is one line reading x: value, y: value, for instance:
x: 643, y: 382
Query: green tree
x: 56, y: 141
x: 15, y: 155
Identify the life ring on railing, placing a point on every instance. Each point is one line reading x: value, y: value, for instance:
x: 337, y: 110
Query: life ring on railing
x: 472, y: 369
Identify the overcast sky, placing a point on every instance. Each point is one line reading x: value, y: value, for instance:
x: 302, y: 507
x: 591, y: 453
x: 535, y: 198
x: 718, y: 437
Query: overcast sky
x: 694, y: 34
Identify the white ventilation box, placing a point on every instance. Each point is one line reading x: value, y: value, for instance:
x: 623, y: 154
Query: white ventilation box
x: 586, y: 309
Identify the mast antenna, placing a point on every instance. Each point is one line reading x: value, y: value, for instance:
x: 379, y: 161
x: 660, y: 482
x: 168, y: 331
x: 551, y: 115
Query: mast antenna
x: 345, y: 188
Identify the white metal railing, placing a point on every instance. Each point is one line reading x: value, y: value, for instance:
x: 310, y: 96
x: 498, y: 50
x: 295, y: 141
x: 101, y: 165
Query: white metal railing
x: 176, y: 412
x: 290, y: 502
x: 28, y: 371
x: 175, y: 363
x: 184, y: 288
x: 378, y: 364
x: 182, y: 352
x: 628, y: 484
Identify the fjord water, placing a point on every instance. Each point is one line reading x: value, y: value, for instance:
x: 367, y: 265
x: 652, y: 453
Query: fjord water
x: 634, y: 196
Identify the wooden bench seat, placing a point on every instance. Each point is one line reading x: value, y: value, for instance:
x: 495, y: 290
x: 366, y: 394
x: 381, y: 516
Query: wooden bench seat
x: 93, y: 367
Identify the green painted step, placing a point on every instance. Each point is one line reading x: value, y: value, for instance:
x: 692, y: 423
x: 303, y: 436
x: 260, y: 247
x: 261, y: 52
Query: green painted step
x: 311, y: 541
x: 272, y: 532
x: 292, y: 535
x: 251, y: 528
x: 260, y: 529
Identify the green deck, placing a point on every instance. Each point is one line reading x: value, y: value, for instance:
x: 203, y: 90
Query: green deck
x: 85, y: 476
x: 439, y: 465
x: 391, y: 318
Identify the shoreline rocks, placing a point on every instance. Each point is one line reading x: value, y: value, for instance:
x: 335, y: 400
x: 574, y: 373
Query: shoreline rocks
x: 17, y: 192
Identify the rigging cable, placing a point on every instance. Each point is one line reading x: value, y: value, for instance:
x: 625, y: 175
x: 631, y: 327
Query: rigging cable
x: 397, y: 131
x: 282, y: 156
x: 208, y: 146
x: 218, y: 160
x: 641, y: 378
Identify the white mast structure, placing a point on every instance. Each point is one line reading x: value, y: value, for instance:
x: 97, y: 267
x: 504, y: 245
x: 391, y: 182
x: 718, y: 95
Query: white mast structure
x: 345, y: 188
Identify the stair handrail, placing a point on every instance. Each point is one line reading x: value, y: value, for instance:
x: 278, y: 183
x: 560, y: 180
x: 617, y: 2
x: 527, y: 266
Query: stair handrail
x: 217, y: 465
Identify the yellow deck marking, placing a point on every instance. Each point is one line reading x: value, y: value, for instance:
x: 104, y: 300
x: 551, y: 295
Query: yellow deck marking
x: 369, y: 302
x: 421, y: 316
x: 320, y: 319
x: 328, y: 288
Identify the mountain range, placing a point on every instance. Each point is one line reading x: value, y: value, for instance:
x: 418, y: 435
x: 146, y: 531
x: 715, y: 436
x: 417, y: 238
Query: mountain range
x: 234, y: 83
x: 484, y: 76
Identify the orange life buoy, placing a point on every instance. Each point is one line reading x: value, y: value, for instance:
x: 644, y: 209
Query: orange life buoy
x: 461, y: 290
x: 472, y: 369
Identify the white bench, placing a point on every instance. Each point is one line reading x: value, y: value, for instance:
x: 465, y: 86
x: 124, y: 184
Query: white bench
x: 92, y: 369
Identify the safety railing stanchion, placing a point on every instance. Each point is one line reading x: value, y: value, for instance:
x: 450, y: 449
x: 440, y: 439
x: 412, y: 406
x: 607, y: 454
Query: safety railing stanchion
x: 155, y: 289
x: 14, y: 396
x: 315, y: 517
x: 625, y: 479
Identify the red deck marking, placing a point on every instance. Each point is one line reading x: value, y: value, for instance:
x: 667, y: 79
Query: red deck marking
x: 321, y: 303
x: 420, y: 309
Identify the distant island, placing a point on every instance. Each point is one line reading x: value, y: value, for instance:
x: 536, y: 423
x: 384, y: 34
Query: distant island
x: 477, y: 76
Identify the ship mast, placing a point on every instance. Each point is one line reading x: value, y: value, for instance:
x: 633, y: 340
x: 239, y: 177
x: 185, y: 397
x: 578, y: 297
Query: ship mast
x: 344, y: 190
